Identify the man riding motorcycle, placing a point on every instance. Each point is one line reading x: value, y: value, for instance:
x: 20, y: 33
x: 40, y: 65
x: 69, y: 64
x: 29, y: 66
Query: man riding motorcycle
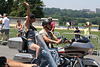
x: 47, y: 35
x: 50, y: 39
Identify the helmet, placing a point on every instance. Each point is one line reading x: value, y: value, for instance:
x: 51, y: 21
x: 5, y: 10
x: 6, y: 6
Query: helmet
x: 32, y: 16
x: 45, y: 22
x: 50, y: 18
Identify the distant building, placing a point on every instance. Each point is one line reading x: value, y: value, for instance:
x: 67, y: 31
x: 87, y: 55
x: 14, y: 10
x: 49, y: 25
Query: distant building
x: 87, y: 11
x: 92, y: 11
x: 97, y: 10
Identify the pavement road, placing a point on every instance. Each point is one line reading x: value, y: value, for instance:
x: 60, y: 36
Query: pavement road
x: 9, y: 53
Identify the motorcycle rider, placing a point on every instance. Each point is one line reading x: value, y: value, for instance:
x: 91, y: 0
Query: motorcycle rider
x: 30, y: 33
x: 32, y: 45
x: 50, y: 39
x: 47, y: 35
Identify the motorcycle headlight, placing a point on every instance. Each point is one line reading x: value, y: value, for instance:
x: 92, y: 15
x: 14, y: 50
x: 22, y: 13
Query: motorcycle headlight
x: 90, y: 50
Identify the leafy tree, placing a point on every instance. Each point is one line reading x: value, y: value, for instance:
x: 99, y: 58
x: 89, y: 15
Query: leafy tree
x: 19, y: 8
x: 66, y: 15
x: 9, y: 4
x: 14, y: 8
x: 2, y: 6
x: 95, y: 20
x: 36, y: 7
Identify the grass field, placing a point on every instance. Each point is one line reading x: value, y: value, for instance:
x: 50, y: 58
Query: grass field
x: 95, y: 41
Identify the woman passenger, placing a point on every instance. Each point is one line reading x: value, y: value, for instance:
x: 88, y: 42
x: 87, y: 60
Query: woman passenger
x: 30, y: 32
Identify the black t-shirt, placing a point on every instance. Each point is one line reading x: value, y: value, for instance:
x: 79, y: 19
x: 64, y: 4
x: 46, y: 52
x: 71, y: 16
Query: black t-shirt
x: 77, y: 35
x: 77, y: 31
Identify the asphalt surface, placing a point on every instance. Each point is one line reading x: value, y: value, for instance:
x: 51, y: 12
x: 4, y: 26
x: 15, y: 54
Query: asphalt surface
x: 9, y: 53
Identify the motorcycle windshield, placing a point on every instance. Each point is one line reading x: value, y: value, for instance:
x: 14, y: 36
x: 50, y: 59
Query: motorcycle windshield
x: 46, y: 58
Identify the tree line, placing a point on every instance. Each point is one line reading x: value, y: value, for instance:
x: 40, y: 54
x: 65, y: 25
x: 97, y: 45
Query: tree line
x: 17, y: 8
x: 67, y: 15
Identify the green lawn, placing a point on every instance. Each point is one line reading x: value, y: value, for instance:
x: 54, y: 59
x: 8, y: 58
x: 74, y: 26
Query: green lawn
x: 94, y: 40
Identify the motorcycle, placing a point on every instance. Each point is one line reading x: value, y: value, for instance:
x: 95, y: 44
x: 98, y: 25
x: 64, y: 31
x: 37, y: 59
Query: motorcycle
x: 20, y: 43
x: 68, y: 56
x: 73, y: 55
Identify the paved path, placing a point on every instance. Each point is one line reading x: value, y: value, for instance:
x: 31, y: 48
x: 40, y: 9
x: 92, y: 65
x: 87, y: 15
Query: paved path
x: 5, y: 51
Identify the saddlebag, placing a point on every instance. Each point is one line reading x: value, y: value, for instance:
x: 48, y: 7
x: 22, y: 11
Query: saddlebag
x: 23, y: 57
x: 16, y: 43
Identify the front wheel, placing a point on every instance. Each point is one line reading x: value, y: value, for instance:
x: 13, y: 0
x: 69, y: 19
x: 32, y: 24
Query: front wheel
x: 77, y: 64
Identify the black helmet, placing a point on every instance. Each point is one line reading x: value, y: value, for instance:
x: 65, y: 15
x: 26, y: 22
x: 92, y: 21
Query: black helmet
x: 32, y: 16
x: 45, y: 22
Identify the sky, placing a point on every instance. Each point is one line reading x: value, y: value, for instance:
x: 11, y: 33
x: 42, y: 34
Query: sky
x: 73, y: 4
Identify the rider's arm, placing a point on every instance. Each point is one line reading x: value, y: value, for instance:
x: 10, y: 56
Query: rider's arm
x: 49, y: 40
x: 28, y: 12
x: 13, y: 63
x: 55, y: 38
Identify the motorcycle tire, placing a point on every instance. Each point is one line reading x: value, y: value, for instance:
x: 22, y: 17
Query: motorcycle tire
x: 78, y: 65
x: 90, y: 66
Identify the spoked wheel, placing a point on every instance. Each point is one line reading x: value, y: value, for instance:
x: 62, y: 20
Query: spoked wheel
x: 77, y: 64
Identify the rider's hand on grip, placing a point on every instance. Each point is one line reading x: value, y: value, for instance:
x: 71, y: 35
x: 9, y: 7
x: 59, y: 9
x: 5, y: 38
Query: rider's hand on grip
x: 59, y: 41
